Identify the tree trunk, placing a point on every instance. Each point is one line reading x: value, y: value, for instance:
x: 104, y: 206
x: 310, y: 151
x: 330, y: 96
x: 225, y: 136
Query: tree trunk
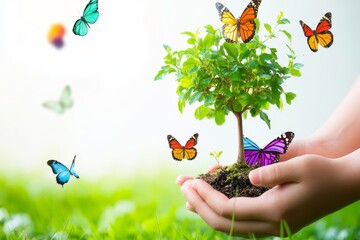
x: 241, y: 153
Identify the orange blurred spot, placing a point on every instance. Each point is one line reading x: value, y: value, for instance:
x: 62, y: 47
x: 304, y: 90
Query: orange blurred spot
x: 56, y: 34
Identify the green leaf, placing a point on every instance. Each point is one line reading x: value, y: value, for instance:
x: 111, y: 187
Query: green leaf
x: 281, y: 14
x: 167, y: 48
x: 295, y: 72
x: 236, y: 76
x: 265, y: 118
x: 231, y: 50
x: 219, y: 117
x: 289, y: 97
x: 291, y: 50
x: 265, y: 76
x: 280, y: 105
x: 161, y: 74
x: 287, y: 34
x: 237, y: 107
x: 201, y: 112
x: 268, y: 28
x: 266, y: 57
x: 209, y: 99
x: 192, y: 37
x: 298, y: 65
x: 210, y: 29
x: 181, y: 105
x: 190, y: 64
x: 209, y: 40
x: 186, y: 82
x: 257, y: 22
x: 195, y: 97
x: 284, y: 21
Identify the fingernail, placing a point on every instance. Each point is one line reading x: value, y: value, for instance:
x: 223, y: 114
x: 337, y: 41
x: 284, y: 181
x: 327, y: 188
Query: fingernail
x: 178, y: 180
x: 188, y: 183
x: 255, y: 176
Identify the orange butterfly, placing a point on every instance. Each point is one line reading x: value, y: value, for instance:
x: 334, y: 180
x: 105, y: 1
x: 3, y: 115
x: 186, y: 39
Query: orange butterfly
x: 244, y: 26
x: 180, y: 152
x: 321, y: 35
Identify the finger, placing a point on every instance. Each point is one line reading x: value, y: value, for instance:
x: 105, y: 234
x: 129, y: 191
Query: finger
x: 214, y: 168
x: 208, y: 193
x: 189, y: 207
x: 181, y: 179
x: 275, y: 174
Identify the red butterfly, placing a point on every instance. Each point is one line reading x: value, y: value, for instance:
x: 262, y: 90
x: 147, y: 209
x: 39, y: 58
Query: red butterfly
x: 180, y: 152
x: 321, y: 35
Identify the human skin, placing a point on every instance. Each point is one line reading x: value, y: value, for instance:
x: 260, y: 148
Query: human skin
x: 318, y: 175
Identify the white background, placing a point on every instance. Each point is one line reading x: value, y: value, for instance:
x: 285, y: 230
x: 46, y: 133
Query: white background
x: 121, y: 117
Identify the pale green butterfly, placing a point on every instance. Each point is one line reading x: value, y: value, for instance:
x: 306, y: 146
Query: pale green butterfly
x: 90, y: 16
x: 64, y: 103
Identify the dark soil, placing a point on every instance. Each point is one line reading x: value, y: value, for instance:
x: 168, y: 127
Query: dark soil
x: 233, y: 181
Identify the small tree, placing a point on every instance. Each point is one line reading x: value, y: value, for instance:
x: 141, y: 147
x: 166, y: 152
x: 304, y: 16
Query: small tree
x: 241, y: 78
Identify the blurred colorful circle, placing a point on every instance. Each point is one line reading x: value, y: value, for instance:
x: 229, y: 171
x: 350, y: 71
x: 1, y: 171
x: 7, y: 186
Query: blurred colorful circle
x: 56, y: 35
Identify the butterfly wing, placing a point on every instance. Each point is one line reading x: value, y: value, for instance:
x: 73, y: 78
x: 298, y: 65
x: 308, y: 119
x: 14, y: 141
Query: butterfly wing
x: 271, y: 152
x: 54, y: 106
x: 177, y: 149
x: 57, y: 167
x: 268, y: 158
x: 250, y: 145
x: 307, y: 30
x: 63, y: 177
x: 230, y: 27
x: 65, y: 98
x: 325, y: 37
x: 252, y: 152
x: 189, y: 151
x: 63, y: 173
x: 325, y: 23
x: 247, y: 25
x: 80, y: 27
x: 91, y: 13
x: 311, y: 37
x: 280, y: 144
x: 72, y: 171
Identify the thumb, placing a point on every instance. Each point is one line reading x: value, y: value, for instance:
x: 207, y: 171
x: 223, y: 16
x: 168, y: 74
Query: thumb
x: 274, y: 174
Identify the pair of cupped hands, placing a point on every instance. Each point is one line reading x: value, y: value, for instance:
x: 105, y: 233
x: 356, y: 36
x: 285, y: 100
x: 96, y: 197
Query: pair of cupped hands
x: 304, y: 189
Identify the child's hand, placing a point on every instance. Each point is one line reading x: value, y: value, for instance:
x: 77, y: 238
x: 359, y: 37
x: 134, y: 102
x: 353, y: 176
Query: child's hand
x: 306, y: 188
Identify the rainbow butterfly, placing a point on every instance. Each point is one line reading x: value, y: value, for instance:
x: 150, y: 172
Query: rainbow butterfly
x: 244, y: 26
x: 321, y: 35
x: 90, y: 16
x: 270, y: 153
x: 63, y: 173
x: 180, y: 152
x: 64, y: 103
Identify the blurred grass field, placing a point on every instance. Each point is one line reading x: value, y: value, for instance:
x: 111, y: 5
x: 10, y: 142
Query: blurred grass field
x: 114, y: 208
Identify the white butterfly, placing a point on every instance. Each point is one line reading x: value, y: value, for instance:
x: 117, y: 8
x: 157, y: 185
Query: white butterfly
x: 64, y: 103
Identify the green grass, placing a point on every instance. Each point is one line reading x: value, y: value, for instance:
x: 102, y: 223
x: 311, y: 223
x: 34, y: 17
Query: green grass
x: 145, y: 208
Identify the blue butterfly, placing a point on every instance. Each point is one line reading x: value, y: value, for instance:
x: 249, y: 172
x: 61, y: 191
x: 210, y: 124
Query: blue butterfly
x: 63, y: 173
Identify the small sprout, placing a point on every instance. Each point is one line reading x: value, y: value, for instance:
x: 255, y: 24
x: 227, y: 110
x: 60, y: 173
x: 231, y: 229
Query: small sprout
x: 216, y: 155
